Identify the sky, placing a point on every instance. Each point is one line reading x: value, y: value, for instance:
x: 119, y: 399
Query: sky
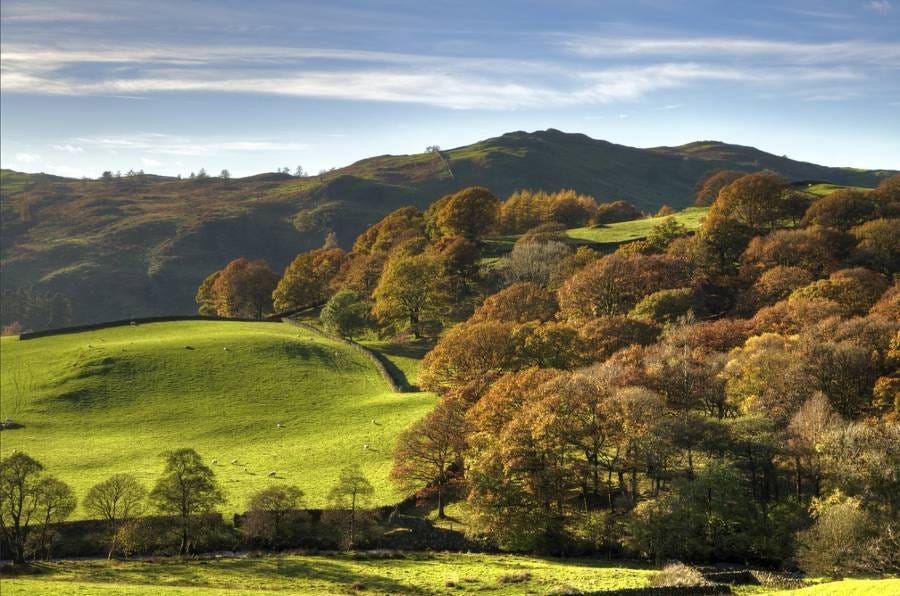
x: 251, y: 86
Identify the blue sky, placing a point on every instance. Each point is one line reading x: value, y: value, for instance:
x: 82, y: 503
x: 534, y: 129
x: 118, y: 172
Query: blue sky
x: 172, y: 87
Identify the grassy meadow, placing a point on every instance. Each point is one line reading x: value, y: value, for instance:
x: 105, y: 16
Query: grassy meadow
x: 626, y: 231
x: 100, y: 402
x: 420, y: 573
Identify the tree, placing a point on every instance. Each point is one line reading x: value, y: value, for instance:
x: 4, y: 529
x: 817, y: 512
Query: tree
x: 20, y: 500
x: 225, y: 175
x: 187, y: 489
x: 394, y: 228
x: 614, y: 284
x: 116, y: 500
x: 243, y: 289
x: 410, y: 291
x: 615, y: 212
x: 757, y: 201
x: 426, y: 454
x: 604, y: 336
x: 789, y: 248
x: 269, y: 509
x: 722, y: 240
x: 834, y: 543
x: 352, y: 490
x: 299, y: 172
x: 534, y: 262
x: 841, y: 209
x: 468, y: 213
x: 306, y: 280
x: 345, y: 314
x: 518, y: 303
x: 56, y: 502
x: 467, y: 352
x: 712, y: 183
x: 856, y: 289
x: 878, y: 244
x: 665, y: 306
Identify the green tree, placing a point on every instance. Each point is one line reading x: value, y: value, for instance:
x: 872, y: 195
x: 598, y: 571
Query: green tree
x: 187, y: 489
x: 410, y: 291
x: 345, y: 314
x: 269, y: 510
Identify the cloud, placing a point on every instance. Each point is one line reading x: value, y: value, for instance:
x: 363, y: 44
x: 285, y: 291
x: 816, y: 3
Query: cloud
x: 671, y: 106
x: 446, y: 82
x: 150, y: 162
x: 164, y: 144
x: 68, y: 148
x: 716, y: 48
x: 27, y: 157
x: 879, y: 6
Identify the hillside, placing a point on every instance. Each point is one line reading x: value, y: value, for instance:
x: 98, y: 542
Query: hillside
x: 102, y: 402
x: 140, y: 245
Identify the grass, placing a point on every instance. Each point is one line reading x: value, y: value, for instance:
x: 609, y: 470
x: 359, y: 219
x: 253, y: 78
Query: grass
x: 820, y: 190
x: 627, y: 231
x: 113, y: 400
x: 422, y: 573
x: 336, y: 574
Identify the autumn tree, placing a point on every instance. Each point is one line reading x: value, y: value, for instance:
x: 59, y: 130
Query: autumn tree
x: 243, y: 289
x: 409, y: 291
x: 709, y: 186
x: 878, y: 244
x: 616, y: 211
x: 614, y: 284
x: 518, y: 303
x: 604, y: 336
x: 789, y: 248
x: 352, y: 491
x: 116, y: 500
x: 345, y: 314
x: 466, y: 352
x: 757, y: 201
x: 534, y: 262
x: 306, y: 280
x: 469, y: 213
x: 887, y: 197
x: 666, y: 306
x: 395, y: 227
x: 856, y: 289
x: 841, y: 209
x: 425, y: 455
x: 187, y: 489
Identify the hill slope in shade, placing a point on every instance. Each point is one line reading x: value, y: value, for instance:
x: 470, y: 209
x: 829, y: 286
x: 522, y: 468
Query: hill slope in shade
x: 113, y: 400
x: 139, y: 246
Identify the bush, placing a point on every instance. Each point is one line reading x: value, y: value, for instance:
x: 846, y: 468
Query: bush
x: 833, y: 545
x: 664, y: 306
x: 677, y: 575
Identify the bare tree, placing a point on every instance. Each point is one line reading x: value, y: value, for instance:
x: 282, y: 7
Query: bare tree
x: 116, y: 500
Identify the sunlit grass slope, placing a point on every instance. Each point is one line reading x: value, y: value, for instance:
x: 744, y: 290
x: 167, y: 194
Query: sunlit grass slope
x: 627, y: 231
x: 443, y: 573
x: 113, y: 400
x: 339, y: 574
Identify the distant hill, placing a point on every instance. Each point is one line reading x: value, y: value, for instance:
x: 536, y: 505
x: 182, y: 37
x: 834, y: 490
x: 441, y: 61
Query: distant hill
x: 140, y: 245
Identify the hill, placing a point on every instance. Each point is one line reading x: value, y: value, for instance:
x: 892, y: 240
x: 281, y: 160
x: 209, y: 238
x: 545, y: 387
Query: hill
x: 140, y: 245
x: 112, y: 400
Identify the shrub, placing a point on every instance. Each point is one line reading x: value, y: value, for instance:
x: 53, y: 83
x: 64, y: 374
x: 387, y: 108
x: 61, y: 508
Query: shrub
x: 833, y: 545
x: 677, y: 575
x: 665, y: 306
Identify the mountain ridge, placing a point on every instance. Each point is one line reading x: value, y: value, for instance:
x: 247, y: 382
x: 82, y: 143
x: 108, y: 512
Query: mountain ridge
x: 140, y: 245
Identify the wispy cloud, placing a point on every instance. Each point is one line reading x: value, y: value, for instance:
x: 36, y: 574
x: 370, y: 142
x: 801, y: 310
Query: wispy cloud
x: 69, y: 148
x: 843, y: 52
x: 164, y: 144
x: 879, y: 6
x: 27, y: 158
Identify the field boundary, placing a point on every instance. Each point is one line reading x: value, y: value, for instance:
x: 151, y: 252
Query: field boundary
x: 376, y: 358
x: 135, y: 321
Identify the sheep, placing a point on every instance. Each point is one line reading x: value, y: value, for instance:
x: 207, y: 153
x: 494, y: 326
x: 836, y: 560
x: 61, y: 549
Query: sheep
x: 280, y: 425
x: 226, y: 349
x: 272, y: 474
x: 215, y: 462
x: 366, y: 446
x: 234, y: 461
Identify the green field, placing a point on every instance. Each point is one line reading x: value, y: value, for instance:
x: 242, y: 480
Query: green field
x: 108, y: 401
x: 627, y: 231
x: 820, y: 190
x: 420, y: 573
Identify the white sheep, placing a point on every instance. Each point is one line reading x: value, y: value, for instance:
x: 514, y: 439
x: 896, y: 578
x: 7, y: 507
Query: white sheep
x: 365, y: 446
x: 234, y: 461
x: 272, y: 474
x: 280, y: 425
x: 226, y: 349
